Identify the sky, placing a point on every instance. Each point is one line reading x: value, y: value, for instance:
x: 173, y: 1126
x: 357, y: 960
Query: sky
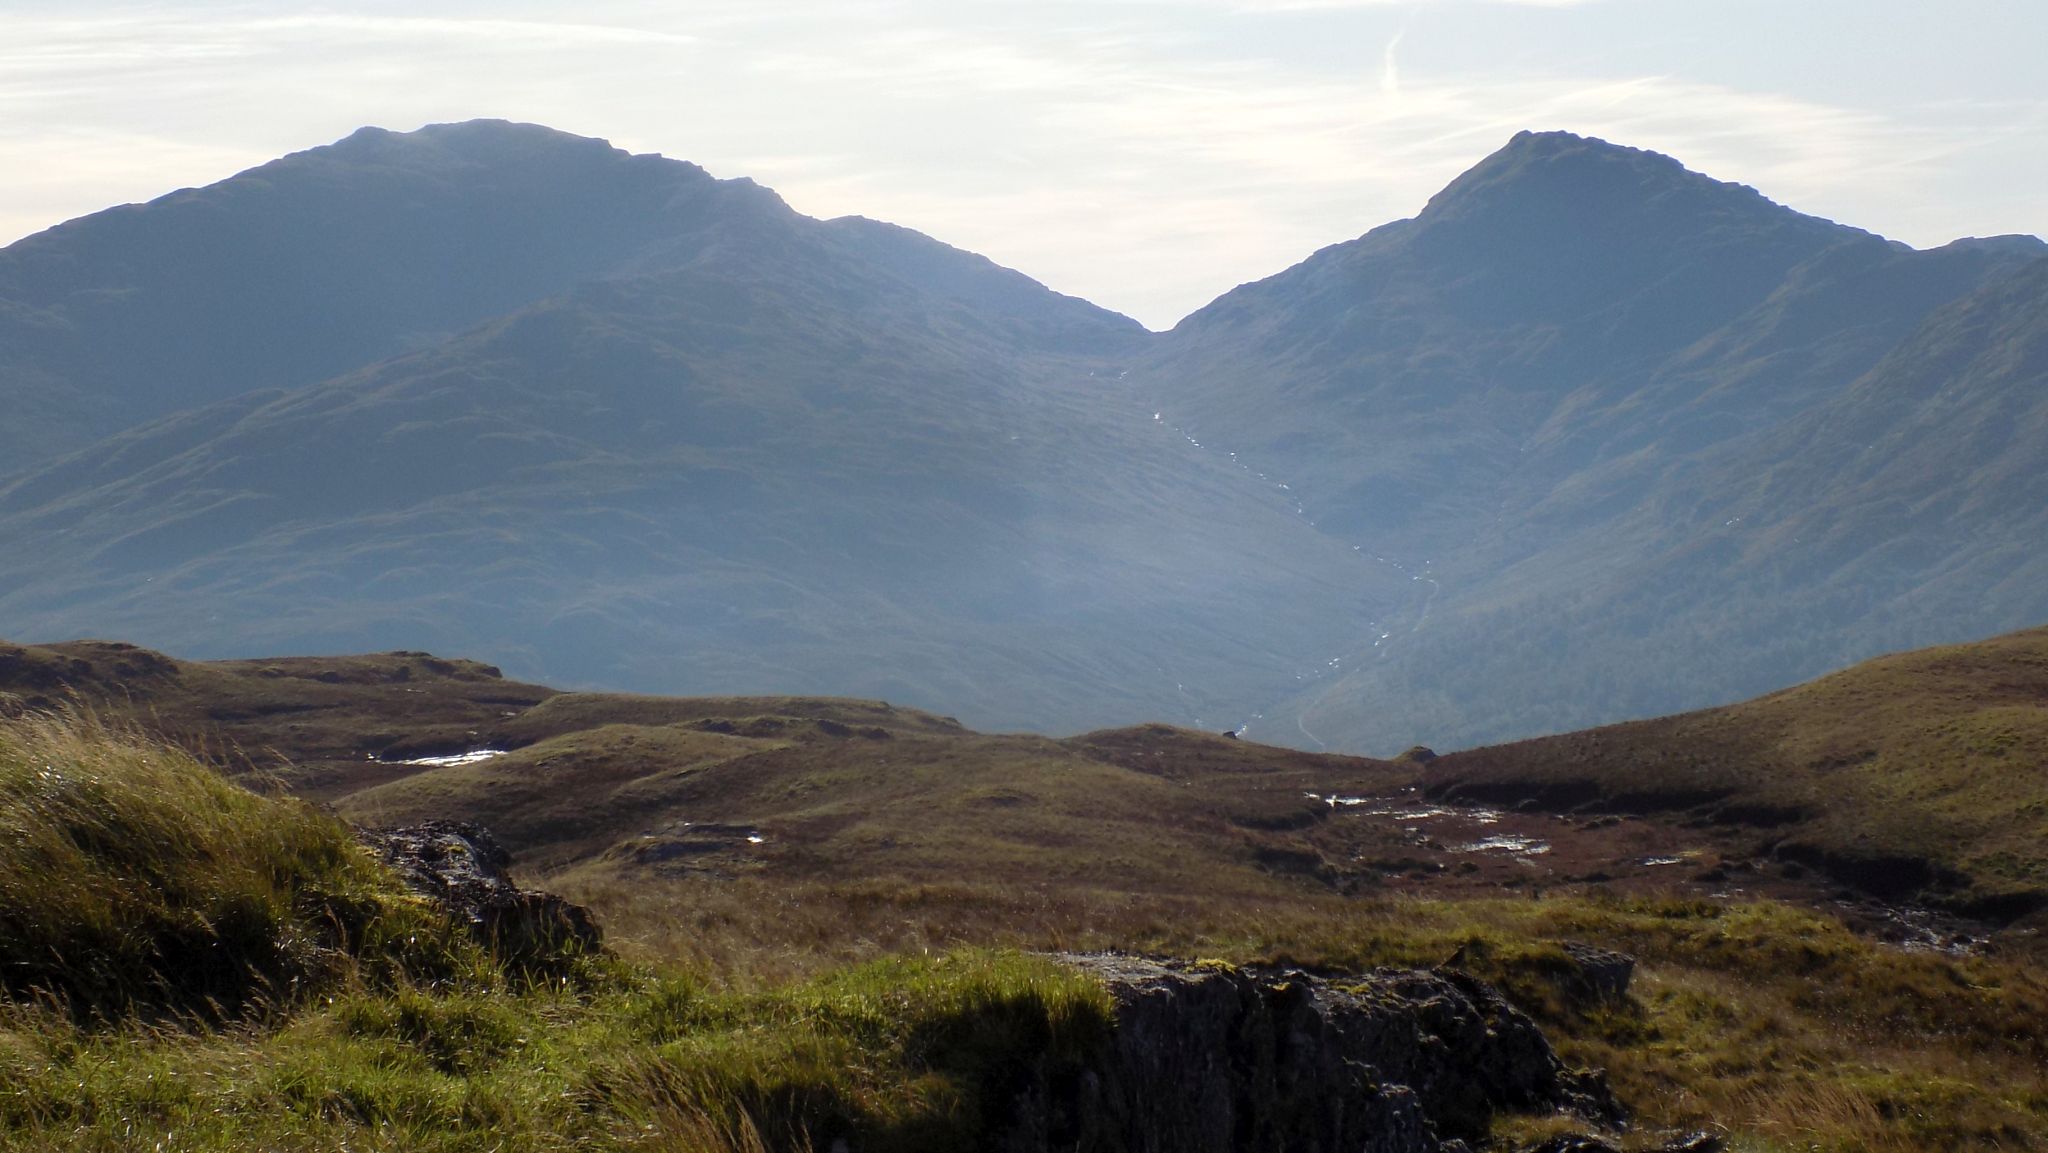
x: 1145, y: 154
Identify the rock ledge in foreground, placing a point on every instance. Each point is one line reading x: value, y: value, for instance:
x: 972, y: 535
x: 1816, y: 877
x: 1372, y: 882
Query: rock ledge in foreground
x: 1212, y: 1058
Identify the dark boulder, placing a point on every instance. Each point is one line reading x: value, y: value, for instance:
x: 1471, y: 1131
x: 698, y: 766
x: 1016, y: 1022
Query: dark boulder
x: 461, y: 867
x: 1597, y: 975
x: 1211, y: 1058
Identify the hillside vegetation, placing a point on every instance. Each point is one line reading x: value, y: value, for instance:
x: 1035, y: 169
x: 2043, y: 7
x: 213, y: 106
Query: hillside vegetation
x: 766, y: 1012
x: 190, y: 965
x: 1915, y: 777
x: 136, y: 879
x: 1921, y: 773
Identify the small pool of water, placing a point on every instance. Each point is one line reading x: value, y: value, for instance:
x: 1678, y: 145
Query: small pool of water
x: 1506, y: 843
x: 452, y: 759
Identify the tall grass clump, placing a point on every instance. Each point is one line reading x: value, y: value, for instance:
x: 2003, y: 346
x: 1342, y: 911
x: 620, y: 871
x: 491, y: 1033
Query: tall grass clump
x: 134, y: 878
x: 906, y: 1054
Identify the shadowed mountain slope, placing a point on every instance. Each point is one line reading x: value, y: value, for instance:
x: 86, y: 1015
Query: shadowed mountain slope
x: 339, y: 256
x: 1524, y: 397
x: 1905, y: 509
x: 799, y: 456
x: 1591, y: 437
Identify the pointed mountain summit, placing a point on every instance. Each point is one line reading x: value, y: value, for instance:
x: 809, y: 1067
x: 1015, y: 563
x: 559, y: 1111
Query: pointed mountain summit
x: 1559, y: 181
x: 1565, y: 223
x: 1487, y: 395
x: 1550, y: 227
x: 1540, y: 291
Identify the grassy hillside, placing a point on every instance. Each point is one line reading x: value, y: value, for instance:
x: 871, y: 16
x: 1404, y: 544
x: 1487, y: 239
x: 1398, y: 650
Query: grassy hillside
x: 1913, y: 777
x: 674, y: 785
x: 189, y: 965
x: 1921, y: 773
x: 765, y: 1012
x: 137, y: 879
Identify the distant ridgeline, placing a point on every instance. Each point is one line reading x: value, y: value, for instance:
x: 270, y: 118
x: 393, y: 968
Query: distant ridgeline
x: 1590, y: 437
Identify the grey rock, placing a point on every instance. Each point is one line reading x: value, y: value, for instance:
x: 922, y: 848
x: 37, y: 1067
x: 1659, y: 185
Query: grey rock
x: 461, y: 867
x: 1601, y: 975
x: 1208, y: 1058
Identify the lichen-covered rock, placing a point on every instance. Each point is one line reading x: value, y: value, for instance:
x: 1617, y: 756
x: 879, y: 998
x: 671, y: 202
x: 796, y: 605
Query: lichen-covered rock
x: 462, y: 867
x: 1211, y: 1058
x: 1599, y: 975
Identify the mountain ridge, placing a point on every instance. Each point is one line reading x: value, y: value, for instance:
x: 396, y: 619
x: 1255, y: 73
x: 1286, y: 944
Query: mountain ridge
x: 362, y: 249
x: 1371, y: 500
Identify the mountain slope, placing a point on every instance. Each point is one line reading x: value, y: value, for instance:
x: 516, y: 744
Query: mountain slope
x: 1506, y: 398
x: 1903, y: 510
x: 1501, y: 469
x: 800, y: 456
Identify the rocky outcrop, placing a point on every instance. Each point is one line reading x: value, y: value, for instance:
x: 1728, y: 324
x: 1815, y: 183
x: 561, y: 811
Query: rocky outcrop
x: 461, y: 867
x: 1599, y: 976
x: 1211, y: 1058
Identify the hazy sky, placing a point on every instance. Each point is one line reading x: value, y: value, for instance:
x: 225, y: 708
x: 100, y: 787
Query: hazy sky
x: 1146, y: 154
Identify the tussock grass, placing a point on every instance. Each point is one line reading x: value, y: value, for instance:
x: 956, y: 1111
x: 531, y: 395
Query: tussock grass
x: 193, y: 966
x: 133, y: 877
x: 903, y: 1054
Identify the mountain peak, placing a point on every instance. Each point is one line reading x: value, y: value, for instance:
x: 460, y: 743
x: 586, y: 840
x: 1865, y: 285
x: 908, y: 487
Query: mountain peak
x: 1603, y: 221
x: 480, y: 142
x: 1561, y: 175
x: 1557, y: 141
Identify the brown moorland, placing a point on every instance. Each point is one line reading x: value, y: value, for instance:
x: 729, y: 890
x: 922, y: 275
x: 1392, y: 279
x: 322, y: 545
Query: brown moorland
x: 755, y: 842
x: 1920, y: 775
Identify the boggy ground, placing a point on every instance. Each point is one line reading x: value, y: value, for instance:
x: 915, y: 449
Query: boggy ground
x: 759, y: 841
x: 806, y: 788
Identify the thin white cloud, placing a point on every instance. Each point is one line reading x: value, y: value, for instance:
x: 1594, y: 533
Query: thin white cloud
x: 39, y: 193
x: 1118, y: 155
x: 1339, y: 5
x: 530, y: 33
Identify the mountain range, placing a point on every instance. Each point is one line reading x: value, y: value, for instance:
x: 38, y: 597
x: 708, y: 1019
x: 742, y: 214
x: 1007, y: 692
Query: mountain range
x: 1591, y: 437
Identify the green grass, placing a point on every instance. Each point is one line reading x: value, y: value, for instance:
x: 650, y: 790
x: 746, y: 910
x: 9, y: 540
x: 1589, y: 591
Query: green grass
x: 902, y: 1054
x: 133, y: 877
x: 1771, y: 1022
